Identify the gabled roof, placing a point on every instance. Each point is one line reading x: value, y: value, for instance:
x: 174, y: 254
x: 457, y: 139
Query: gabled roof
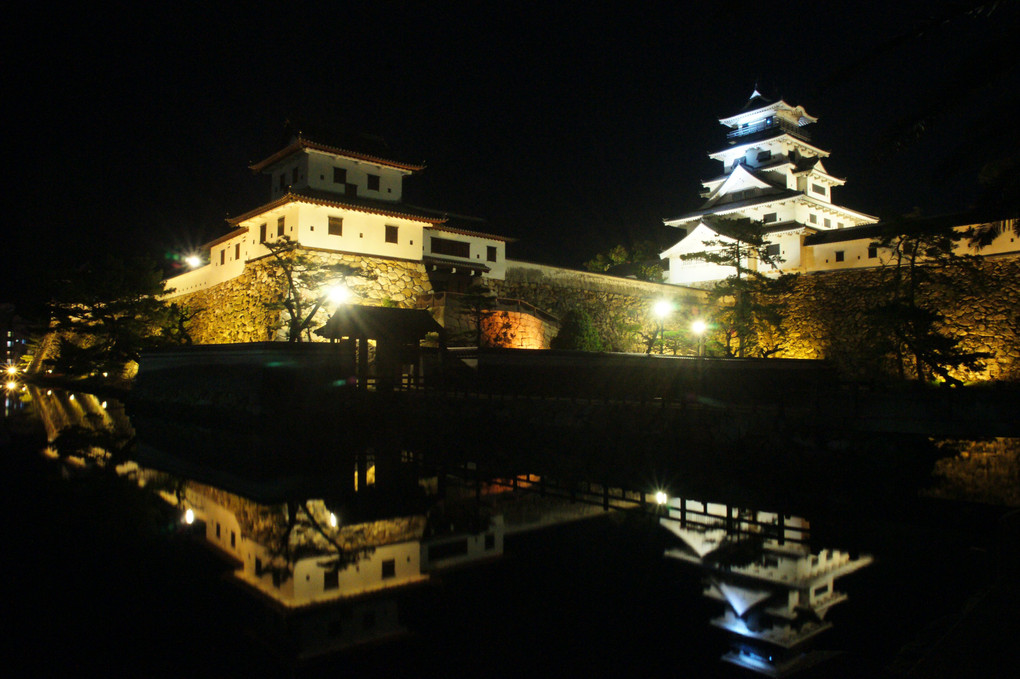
x: 785, y: 194
x: 758, y: 103
x: 328, y: 199
x: 403, y: 325
x: 300, y: 143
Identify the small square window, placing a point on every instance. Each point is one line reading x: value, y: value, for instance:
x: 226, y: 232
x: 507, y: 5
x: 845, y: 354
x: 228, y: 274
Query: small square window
x: 772, y: 250
x: 813, y: 219
x: 373, y: 182
x: 391, y: 233
x: 336, y: 226
x: 280, y: 226
x: 770, y: 217
x: 839, y: 255
x: 490, y: 253
x: 818, y: 188
x: 872, y: 252
x: 764, y: 155
x: 828, y: 223
x: 339, y: 175
x: 389, y: 568
x: 331, y: 579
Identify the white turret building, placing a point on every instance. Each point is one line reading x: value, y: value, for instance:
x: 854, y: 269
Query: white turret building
x: 772, y: 174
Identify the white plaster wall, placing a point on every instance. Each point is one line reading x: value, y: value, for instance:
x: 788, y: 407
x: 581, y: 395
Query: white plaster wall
x: 478, y: 250
x: 475, y: 547
x: 365, y: 574
x: 363, y: 233
x: 320, y: 176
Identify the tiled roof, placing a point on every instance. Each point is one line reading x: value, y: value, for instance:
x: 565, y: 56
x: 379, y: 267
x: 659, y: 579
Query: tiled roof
x: 300, y: 143
x: 329, y: 199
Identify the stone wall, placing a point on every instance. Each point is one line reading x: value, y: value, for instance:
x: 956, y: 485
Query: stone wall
x: 613, y: 303
x: 826, y: 318
x: 239, y: 310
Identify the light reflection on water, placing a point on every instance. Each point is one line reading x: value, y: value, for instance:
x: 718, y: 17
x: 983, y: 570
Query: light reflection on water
x: 773, y: 588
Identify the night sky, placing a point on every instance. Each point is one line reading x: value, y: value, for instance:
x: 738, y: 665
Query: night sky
x: 570, y: 129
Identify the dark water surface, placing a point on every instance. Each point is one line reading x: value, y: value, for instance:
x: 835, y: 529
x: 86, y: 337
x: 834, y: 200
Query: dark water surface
x: 91, y: 589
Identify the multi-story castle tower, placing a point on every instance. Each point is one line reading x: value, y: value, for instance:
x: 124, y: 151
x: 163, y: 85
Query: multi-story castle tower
x: 772, y: 174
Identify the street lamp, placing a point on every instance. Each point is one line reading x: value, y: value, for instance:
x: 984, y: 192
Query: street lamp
x: 193, y: 261
x: 661, y: 309
x: 699, y: 327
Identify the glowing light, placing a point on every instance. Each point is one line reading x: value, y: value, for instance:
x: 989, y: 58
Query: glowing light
x: 103, y: 405
x: 12, y: 370
x: 194, y: 261
x: 49, y: 392
x: 699, y: 327
x: 189, y: 516
x: 71, y: 397
x: 12, y: 385
x: 105, y: 374
x: 662, y: 308
x: 339, y: 294
x: 661, y: 497
x: 332, y: 520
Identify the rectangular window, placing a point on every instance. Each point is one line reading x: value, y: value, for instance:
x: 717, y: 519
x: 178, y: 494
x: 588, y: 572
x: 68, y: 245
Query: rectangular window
x: 813, y: 219
x: 223, y: 258
x: 233, y: 539
x: 389, y: 568
x: 839, y: 225
x: 839, y: 255
x: 818, y: 188
x: 453, y: 248
x: 293, y: 176
x: 391, y: 233
x: 279, y: 225
x: 336, y: 226
x: 764, y: 155
x: 331, y: 579
x: 258, y: 566
x: 770, y: 217
x: 490, y: 253
x: 283, y: 180
x: 828, y: 222
x: 819, y: 591
x: 217, y: 529
x: 373, y: 182
x: 772, y: 250
x: 490, y: 541
x: 237, y: 251
x: 872, y: 251
x: 262, y: 233
x: 339, y: 175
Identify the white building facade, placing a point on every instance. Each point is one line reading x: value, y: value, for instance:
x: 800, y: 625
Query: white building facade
x: 335, y: 200
x: 772, y: 174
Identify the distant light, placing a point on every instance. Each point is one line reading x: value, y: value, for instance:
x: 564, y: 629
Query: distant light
x: 189, y: 516
x: 332, y: 520
x: 339, y: 294
x: 49, y: 392
x: 71, y: 397
x: 662, y: 308
x: 12, y: 370
x: 103, y: 405
x: 661, y: 497
x: 194, y: 261
x: 699, y: 326
x: 12, y: 385
x: 106, y: 374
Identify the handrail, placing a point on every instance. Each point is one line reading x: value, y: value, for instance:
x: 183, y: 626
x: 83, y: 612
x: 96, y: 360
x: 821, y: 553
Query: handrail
x: 767, y: 124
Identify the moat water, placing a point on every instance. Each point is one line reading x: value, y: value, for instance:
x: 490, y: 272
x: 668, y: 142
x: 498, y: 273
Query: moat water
x: 612, y: 593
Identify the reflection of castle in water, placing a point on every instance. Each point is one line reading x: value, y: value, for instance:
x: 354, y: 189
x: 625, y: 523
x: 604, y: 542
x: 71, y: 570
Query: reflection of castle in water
x: 775, y: 591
